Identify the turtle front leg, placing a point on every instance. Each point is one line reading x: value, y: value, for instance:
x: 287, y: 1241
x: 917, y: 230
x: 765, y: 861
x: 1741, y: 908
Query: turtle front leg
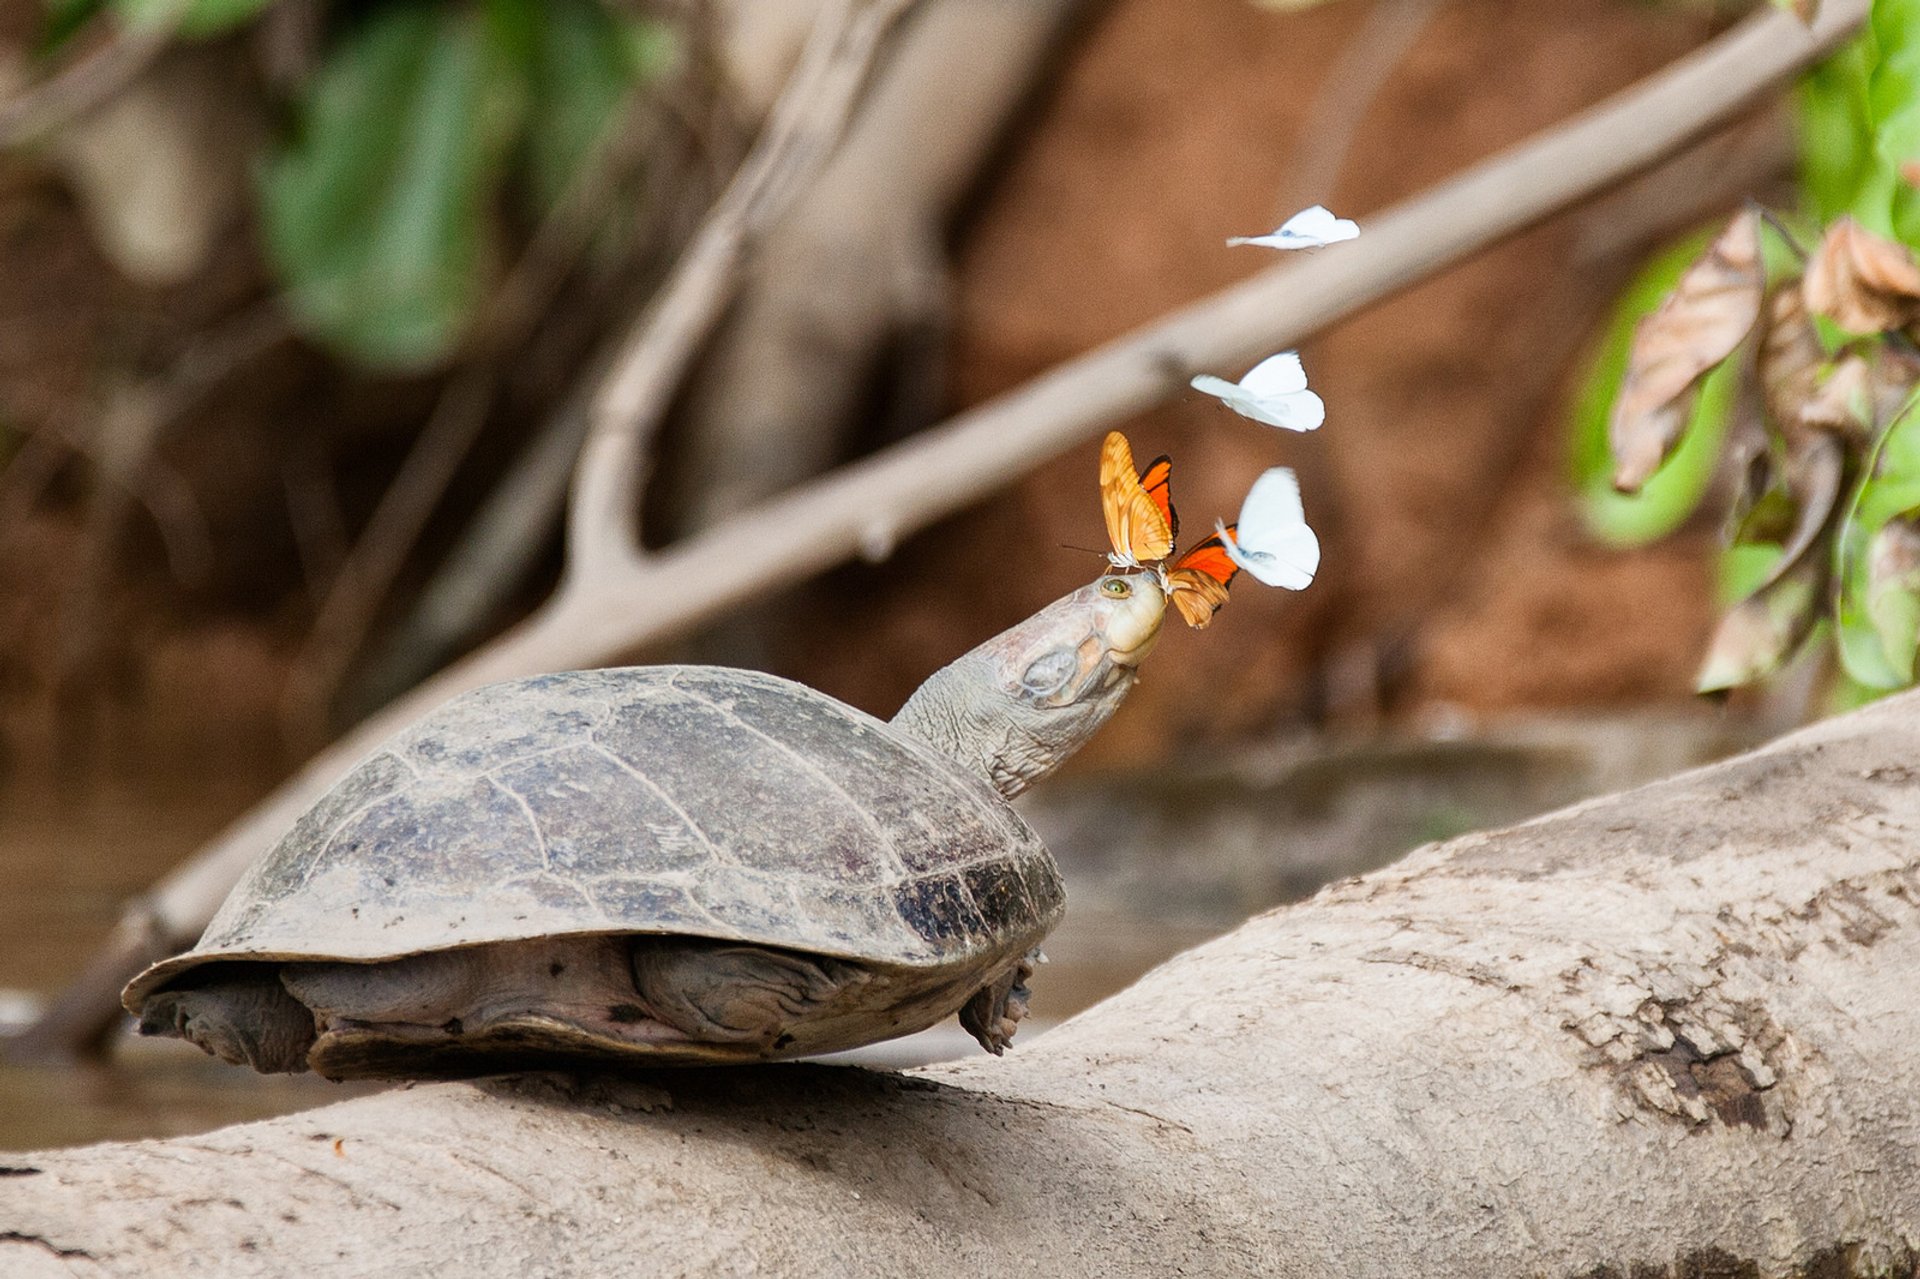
x: 997, y: 1008
x: 246, y: 1020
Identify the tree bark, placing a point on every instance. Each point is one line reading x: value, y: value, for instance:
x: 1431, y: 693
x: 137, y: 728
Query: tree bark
x: 1670, y: 1031
x: 860, y: 263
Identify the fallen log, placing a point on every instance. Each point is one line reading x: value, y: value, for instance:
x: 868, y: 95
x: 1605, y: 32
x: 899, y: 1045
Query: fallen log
x: 1667, y: 1032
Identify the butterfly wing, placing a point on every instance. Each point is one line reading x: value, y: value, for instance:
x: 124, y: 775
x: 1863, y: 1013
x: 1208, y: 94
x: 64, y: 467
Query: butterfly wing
x: 1198, y: 584
x: 1274, y: 542
x: 1316, y: 226
x: 1281, y: 374
x: 1157, y: 480
x: 1274, y: 391
x: 1139, y: 528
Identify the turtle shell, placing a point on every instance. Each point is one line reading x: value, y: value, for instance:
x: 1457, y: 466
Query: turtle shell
x: 688, y: 800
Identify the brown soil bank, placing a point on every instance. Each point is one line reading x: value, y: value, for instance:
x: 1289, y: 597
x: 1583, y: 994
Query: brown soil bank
x: 1454, y: 569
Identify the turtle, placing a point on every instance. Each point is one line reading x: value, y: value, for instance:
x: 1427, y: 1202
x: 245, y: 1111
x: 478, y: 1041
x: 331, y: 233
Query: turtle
x: 664, y: 865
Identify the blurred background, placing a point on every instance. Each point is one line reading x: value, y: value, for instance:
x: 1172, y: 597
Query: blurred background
x: 299, y: 302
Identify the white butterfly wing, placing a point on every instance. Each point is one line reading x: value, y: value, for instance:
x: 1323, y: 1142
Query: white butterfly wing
x: 1308, y: 229
x: 1316, y: 226
x: 1218, y: 387
x: 1273, y: 542
x: 1281, y: 374
x: 1300, y: 411
x: 1274, y: 393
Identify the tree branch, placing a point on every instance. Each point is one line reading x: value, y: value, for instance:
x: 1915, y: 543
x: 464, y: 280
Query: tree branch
x: 1668, y: 1032
x: 603, y: 522
x: 624, y: 603
x: 77, y: 89
x: 859, y: 259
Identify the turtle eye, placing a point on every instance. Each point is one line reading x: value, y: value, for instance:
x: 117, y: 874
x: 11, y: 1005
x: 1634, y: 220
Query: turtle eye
x: 1117, y: 587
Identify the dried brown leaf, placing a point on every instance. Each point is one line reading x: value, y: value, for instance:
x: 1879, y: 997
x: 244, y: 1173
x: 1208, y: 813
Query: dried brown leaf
x: 1710, y: 310
x: 1842, y: 402
x: 1895, y: 374
x: 1763, y: 630
x: 1893, y: 557
x: 1790, y: 356
x: 1863, y: 282
x: 1812, y: 476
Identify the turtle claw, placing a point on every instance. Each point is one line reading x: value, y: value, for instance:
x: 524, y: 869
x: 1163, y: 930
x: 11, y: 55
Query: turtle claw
x: 997, y: 1008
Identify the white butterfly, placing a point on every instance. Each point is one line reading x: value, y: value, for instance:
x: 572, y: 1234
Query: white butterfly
x: 1307, y: 229
x: 1272, y: 540
x: 1274, y: 391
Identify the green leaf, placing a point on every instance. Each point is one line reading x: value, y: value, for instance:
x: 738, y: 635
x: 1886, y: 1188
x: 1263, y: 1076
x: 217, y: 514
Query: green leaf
x: 199, y: 19
x: 1677, y: 487
x: 1849, y: 694
x: 1893, y: 101
x: 64, y: 19
x: 1888, y: 489
x: 581, y: 63
x: 1762, y: 631
x: 1743, y: 566
x: 377, y: 216
x: 1836, y: 129
x: 1893, y: 591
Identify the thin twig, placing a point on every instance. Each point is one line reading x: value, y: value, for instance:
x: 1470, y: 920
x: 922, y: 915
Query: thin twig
x: 381, y: 552
x: 127, y: 442
x: 510, y: 532
x: 127, y: 469
x: 602, y: 529
x: 934, y: 474
x: 508, y: 321
x: 78, y: 89
x: 121, y: 448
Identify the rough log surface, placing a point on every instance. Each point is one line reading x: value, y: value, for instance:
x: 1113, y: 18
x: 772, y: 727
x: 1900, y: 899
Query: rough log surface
x: 1671, y: 1031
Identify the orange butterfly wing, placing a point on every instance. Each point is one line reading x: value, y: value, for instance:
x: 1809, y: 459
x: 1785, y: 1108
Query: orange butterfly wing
x: 1198, y: 584
x: 1136, y: 524
x: 1157, y: 480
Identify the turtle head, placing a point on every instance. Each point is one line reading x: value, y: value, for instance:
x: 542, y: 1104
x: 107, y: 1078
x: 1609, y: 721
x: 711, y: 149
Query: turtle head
x: 1014, y: 708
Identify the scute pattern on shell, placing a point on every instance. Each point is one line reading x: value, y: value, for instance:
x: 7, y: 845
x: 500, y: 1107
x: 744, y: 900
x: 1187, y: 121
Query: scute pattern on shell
x: 696, y: 800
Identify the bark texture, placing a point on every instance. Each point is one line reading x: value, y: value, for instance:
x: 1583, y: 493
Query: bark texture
x: 1670, y: 1031
x: 860, y: 263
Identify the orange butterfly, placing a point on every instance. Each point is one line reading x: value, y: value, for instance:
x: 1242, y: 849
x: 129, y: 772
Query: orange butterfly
x: 1142, y: 525
x: 1138, y: 506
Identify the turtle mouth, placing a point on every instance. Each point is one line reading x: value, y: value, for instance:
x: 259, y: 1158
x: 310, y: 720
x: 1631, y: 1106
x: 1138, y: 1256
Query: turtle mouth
x: 1134, y: 654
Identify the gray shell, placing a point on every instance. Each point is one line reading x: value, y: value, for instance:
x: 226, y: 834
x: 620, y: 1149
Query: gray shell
x: 698, y: 801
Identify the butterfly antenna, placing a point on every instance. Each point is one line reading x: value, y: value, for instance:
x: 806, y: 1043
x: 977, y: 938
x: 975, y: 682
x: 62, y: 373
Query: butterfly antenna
x: 1069, y: 546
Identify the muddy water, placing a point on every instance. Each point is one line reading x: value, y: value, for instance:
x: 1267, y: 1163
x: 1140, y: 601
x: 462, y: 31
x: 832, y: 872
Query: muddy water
x: 70, y: 855
x: 1154, y: 865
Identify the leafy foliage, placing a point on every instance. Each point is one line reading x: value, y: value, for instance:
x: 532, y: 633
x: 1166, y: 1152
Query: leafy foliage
x: 579, y: 63
x: 193, y: 19
x: 199, y: 19
x: 381, y: 211
x: 1661, y: 504
x: 1827, y: 525
x: 380, y: 215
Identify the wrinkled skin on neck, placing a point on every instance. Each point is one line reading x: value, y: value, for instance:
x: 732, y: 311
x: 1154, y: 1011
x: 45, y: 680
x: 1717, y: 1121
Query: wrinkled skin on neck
x: 1016, y: 707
